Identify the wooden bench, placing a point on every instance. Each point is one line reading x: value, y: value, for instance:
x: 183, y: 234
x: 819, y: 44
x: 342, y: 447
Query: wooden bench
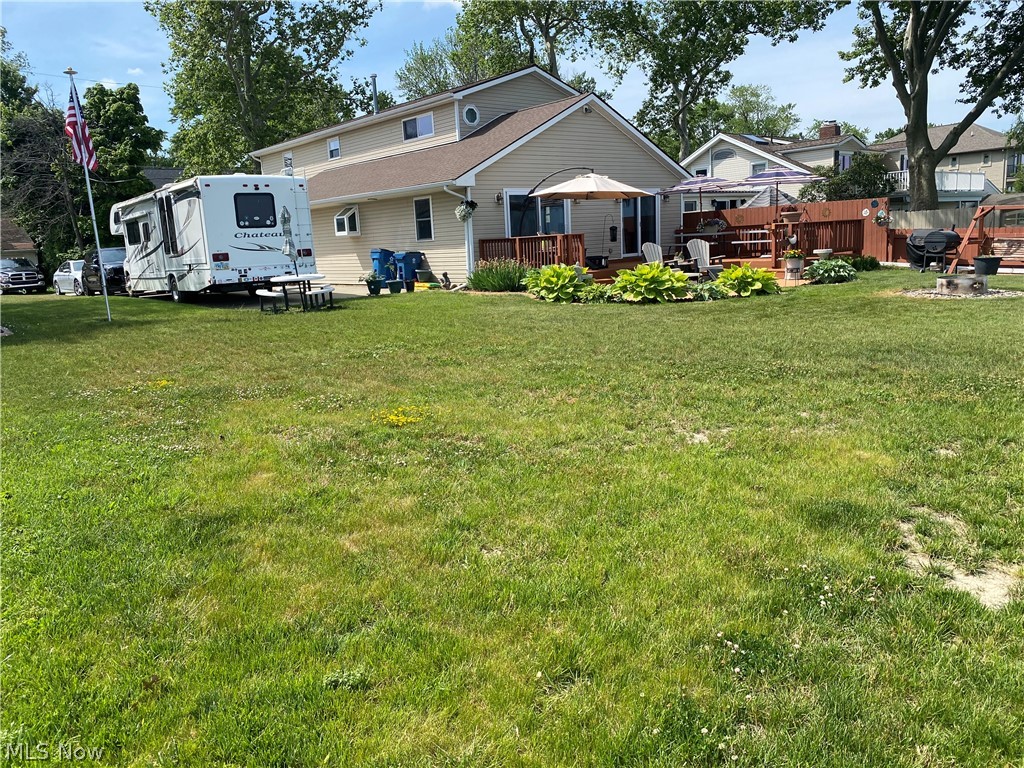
x: 1010, y: 250
x: 274, y: 297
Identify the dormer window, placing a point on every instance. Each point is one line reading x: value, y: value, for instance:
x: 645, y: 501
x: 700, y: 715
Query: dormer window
x: 418, y: 127
x: 334, y: 148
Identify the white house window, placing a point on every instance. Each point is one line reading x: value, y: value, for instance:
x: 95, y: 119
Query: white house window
x: 844, y: 160
x: 424, y: 218
x: 418, y: 127
x: 689, y: 206
x: 758, y: 168
x: 333, y: 148
x: 986, y: 159
x: 471, y: 114
x: 529, y: 216
x: 954, y: 162
x: 723, y: 154
x: 700, y: 172
x: 346, y: 223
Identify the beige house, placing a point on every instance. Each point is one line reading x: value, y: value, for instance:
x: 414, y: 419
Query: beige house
x: 978, y: 165
x: 393, y: 180
x: 15, y: 242
x: 734, y: 157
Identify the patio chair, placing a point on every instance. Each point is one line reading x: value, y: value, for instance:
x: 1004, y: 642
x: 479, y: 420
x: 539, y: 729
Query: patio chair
x: 708, y: 267
x: 653, y: 254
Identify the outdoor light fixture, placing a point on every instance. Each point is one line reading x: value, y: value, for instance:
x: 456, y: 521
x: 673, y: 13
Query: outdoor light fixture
x: 498, y: 198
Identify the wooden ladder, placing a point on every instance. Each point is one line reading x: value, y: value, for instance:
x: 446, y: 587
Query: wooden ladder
x: 978, y: 222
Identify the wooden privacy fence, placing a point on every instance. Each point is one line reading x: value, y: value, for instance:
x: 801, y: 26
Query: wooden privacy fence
x: 536, y: 251
x: 841, y: 225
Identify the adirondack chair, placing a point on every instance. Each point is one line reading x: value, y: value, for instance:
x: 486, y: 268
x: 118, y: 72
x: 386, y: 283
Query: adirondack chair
x: 708, y: 267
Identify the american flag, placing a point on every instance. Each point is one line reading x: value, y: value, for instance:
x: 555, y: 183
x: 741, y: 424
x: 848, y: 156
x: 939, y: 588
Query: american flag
x: 78, y: 132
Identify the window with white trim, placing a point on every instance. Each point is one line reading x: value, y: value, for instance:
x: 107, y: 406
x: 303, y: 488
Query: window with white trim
x: 424, y: 215
x: 986, y: 159
x: 758, y: 168
x: 471, y: 114
x: 333, y: 148
x: 346, y: 223
x: 700, y: 172
x: 723, y: 154
x: 418, y: 127
x: 954, y: 162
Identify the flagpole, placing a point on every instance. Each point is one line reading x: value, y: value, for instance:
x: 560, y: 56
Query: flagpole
x: 92, y: 209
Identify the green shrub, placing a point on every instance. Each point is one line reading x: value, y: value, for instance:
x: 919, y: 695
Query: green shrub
x: 744, y: 280
x: 555, y: 282
x: 711, y: 291
x: 865, y: 263
x: 500, y: 275
x: 595, y: 293
x: 650, y: 283
x: 830, y: 271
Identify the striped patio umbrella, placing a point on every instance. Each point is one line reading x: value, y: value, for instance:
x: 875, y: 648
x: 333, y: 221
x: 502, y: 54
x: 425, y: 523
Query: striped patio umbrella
x: 774, y: 176
x: 698, y: 184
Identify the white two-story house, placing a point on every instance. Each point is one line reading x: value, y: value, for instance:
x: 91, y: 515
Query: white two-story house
x: 393, y: 180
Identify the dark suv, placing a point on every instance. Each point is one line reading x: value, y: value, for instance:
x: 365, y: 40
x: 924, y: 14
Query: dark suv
x: 20, y: 275
x: 113, y: 265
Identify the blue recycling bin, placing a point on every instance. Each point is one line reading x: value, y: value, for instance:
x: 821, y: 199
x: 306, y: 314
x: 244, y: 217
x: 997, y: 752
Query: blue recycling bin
x: 383, y: 262
x: 408, y: 262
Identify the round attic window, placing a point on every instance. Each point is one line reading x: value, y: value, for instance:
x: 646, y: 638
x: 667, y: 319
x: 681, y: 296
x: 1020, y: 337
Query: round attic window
x: 471, y: 115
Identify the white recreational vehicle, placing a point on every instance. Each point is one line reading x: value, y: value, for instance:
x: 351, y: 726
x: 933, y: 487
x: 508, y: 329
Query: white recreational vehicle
x: 215, y: 234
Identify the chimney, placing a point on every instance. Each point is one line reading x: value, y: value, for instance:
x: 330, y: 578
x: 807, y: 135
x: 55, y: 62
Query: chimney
x: 829, y: 130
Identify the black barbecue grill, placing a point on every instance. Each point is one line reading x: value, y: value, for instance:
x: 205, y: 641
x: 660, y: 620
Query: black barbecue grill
x: 931, y: 246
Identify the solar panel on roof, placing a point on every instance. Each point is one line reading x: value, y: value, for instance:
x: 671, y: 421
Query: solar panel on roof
x: 753, y: 138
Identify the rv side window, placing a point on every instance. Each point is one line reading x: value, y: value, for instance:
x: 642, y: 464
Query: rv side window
x: 145, y: 231
x: 255, y: 210
x: 131, y: 231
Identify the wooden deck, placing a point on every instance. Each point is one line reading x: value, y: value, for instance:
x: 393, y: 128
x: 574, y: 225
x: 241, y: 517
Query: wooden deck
x: 536, y: 251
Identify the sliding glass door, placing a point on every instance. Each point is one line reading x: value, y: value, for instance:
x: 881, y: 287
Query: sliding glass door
x: 639, y: 223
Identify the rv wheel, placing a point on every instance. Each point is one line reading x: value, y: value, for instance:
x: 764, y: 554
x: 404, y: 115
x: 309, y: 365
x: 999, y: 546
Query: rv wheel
x: 172, y: 286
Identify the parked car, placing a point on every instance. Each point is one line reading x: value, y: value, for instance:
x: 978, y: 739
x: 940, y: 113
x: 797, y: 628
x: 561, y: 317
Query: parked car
x: 67, y: 278
x: 113, y: 266
x: 20, y: 275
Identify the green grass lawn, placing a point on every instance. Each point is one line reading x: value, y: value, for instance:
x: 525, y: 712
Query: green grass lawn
x: 619, y: 536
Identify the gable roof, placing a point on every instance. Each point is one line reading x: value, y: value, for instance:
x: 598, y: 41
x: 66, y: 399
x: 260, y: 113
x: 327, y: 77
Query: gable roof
x: 415, y: 105
x: 457, y: 163
x: 767, y: 148
x: 434, y: 165
x: 13, y: 237
x: 831, y: 141
x: 977, y: 138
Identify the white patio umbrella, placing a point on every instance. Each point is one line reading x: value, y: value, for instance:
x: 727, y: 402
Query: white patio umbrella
x: 288, y: 249
x: 590, y: 186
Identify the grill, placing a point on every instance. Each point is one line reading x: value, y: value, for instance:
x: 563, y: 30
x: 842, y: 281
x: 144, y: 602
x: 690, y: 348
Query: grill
x: 931, y: 246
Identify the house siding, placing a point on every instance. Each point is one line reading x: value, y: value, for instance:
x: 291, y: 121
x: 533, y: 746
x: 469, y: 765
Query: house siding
x: 367, y: 143
x: 585, y: 140
x: 389, y: 224
x: 734, y: 169
x: 818, y: 155
x: 971, y: 162
x: 520, y: 93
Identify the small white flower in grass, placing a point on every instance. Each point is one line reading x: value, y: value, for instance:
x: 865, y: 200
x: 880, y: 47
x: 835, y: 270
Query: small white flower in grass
x: 720, y: 634
x: 785, y: 613
x: 734, y: 757
x: 539, y: 675
x: 656, y: 731
x: 704, y: 731
x: 641, y: 695
x: 736, y: 670
x: 748, y: 697
x: 796, y: 645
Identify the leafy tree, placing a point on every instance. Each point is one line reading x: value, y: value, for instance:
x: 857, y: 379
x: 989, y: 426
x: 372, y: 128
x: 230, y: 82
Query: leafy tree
x: 887, y: 133
x: 813, y: 131
x: 15, y: 92
x: 867, y: 176
x: 704, y: 120
x: 661, y: 36
x: 906, y: 42
x: 752, y: 109
x: 1015, y: 145
x: 454, y: 60
x: 250, y: 73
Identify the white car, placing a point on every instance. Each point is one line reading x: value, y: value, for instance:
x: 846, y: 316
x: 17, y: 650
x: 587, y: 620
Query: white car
x: 67, y: 278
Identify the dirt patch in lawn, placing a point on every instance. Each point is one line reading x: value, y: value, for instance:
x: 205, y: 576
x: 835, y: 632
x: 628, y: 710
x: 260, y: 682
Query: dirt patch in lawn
x: 993, y: 583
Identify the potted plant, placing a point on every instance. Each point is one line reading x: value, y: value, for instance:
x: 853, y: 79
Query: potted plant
x: 882, y: 218
x: 464, y: 210
x: 790, y: 214
x: 794, y: 259
x: 711, y: 225
x: 374, y: 282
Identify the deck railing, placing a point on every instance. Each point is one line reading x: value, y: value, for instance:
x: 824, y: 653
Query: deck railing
x: 536, y: 251
x: 945, y: 181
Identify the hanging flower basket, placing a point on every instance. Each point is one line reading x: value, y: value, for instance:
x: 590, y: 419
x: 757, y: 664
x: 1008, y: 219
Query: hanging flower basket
x: 882, y: 218
x: 464, y: 210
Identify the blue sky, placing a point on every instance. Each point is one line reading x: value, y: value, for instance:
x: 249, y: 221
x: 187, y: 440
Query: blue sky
x: 118, y: 42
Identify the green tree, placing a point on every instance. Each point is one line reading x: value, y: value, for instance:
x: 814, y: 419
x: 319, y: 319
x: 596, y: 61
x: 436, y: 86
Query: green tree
x: 813, y: 131
x: 887, y: 133
x: 455, y: 60
x: 1015, y: 146
x: 656, y: 119
x: 685, y: 47
x: 906, y: 42
x: 753, y: 109
x: 250, y: 73
x: 867, y: 176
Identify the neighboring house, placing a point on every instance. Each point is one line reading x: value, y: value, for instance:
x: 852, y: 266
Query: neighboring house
x: 15, y: 242
x: 979, y: 164
x: 734, y: 157
x: 393, y: 180
x: 158, y: 176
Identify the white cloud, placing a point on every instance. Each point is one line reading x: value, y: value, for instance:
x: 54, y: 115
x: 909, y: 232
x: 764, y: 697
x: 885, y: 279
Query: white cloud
x: 106, y: 81
x: 136, y: 71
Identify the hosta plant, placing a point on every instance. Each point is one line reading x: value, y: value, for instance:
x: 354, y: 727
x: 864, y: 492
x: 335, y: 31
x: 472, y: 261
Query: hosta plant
x: 744, y: 280
x: 554, y: 282
x: 650, y: 283
x: 595, y: 293
x: 710, y: 291
x: 830, y: 271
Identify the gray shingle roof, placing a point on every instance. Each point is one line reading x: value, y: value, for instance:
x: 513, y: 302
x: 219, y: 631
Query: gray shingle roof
x: 433, y: 165
x: 977, y: 138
